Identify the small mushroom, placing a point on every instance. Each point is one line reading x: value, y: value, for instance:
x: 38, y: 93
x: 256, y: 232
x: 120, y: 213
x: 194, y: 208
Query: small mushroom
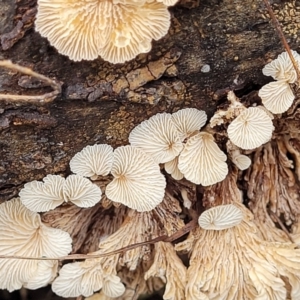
x: 282, y: 68
x: 201, y: 161
x: 158, y: 137
x: 43, y: 196
x: 138, y: 182
x: 189, y: 120
x: 220, y: 217
x: 242, y: 162
x: 92, y: 161
x: 171, y: 168
x: 277, y: 96
x: 252, y: 128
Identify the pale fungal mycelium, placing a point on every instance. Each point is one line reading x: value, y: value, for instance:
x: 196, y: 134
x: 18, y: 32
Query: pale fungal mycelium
x: 116, y: 30
x: 278, y: 96
x: 23, y: 234
x: 42, y: 196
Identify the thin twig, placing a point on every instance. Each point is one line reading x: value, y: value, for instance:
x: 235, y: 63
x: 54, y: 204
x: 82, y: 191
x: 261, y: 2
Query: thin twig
x: 282, y: 37
x: 187, y: 228
x: 45, y: 98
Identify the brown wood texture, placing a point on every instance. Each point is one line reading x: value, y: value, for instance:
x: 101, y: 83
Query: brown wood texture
x: 101, y: 102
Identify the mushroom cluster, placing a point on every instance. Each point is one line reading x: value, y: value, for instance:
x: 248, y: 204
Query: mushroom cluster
x: 175, y: 140
x: 278, y: 96
x: 116, y: 30
x: 23, y: 234
x: 126, y: 217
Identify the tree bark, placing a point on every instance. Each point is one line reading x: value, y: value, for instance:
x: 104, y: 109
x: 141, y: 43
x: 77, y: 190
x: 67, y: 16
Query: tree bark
x: 211, y: 48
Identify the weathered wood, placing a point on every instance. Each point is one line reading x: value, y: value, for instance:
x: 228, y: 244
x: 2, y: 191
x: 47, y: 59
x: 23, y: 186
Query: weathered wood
x: 210, y: 49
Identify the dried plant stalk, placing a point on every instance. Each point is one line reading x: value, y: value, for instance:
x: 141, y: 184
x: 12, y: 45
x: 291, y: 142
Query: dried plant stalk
x: 45, y: 98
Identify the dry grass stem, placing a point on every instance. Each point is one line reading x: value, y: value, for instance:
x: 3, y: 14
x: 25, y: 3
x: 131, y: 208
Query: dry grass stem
x: 45, y: 98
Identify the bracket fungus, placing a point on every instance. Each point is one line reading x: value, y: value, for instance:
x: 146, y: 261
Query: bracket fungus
x: 202, y: 161
x: 42, y: 196
x: 93, y: 161
x: 115, y: 30
x: 251, y: 128
x: 138, y: 182
x: 278, y: 96
x: 23, y: 234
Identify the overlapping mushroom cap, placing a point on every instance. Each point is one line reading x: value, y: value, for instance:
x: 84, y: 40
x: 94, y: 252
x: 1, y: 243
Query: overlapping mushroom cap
x: 189, y: 120
x: 116, y: 30
x: 158, y: 137
x: 138, y: 182
x: 282, y: 67
x: 202, y: 161
x: 85, y: 278
x: 278, y: 96
x: 92, y: 161
x: 252, y: 128
x: 23, y: 234
x: 42, y: 196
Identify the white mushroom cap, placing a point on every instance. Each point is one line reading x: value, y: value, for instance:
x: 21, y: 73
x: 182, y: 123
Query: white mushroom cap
x: 134, y: 27
x: 168, y: 2
x: 79, y: 278
x: 202, y: 161
x: 43, y: 196
x: 252, y: 128
x: 158, y: 137
x: 243, y: 162
x: 282, y: 68
x: 92, y: 161
x: 44, y: 274
x: 220, y: 217
x: 171, y: 168
x: 277, y: 96
x: 113, y: 287
x: 189, y: 120
x: 81, y: 191
x: 73, y: 27
x: 23, y: 234
x: 138, y: 182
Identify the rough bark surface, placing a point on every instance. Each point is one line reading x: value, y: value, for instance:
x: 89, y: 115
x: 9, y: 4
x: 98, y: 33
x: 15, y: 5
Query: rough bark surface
x: 101, y: 102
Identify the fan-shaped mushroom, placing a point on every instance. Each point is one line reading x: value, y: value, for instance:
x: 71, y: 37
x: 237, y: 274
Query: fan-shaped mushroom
x: 189, y: 120
x: 201, y: 161
x: 138, y: 182
x: 92, y: 161
x: 220, y: 217
x: 157, y: 137
x: 116, y: 30
x: 252, y: 128
x: 43, y: 196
